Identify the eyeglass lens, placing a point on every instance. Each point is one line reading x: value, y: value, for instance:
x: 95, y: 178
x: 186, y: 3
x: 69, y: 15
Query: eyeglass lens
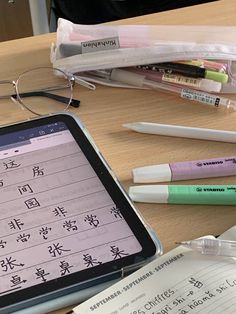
x: 38, y: 90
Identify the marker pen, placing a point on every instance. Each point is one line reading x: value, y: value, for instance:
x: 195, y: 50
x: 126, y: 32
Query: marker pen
x: 184, y: 194
x: 186, y: 69
x: 186, y: 170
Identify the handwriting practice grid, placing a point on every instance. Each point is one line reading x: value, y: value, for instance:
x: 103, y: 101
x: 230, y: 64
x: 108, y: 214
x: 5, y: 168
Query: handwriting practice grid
x: 56, y: 217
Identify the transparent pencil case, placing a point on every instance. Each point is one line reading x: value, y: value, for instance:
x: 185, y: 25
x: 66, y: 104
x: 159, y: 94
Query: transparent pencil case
x: 80, y: 49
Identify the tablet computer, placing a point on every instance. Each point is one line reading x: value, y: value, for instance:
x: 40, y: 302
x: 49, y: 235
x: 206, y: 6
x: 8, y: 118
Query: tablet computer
x: 65, y: 221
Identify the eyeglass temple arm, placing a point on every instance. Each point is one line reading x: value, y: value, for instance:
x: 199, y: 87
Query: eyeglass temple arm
x: 74, y: 102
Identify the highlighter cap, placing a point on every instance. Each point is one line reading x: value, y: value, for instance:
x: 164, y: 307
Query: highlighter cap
x: 155, y: 173
x: 217, y: 76
x: 149, y: 193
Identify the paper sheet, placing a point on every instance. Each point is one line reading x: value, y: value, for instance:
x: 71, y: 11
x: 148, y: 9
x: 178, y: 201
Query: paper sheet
x: 181, y: 281
x: 230, y: 234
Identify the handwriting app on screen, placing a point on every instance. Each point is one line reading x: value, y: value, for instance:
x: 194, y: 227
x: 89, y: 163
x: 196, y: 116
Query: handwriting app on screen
x: 56, y: 217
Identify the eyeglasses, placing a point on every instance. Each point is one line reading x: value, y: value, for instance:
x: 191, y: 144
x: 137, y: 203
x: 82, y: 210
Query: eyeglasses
x: 42, y: 91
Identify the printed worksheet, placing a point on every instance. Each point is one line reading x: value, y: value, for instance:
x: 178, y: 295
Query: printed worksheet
x: 56, y: 217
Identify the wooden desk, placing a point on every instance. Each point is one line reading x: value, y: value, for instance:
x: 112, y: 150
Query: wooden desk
x: 105, y: 110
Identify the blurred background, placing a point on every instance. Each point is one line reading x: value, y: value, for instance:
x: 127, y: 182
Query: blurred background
x: 23, y: 18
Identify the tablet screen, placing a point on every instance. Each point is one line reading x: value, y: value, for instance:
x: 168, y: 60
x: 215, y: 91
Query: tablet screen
x: 57, y: 218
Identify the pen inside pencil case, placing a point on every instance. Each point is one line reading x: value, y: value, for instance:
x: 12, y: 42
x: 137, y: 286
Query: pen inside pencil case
x: 212, y: 65
x: 138, y: 80
x: 179, y: 80
x: 187, y: 70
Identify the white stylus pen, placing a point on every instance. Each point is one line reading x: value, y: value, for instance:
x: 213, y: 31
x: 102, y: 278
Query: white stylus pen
x: 182, y: 131
x: 212, y: 246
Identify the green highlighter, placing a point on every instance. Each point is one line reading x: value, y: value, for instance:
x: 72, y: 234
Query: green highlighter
x: 184, y: 194
x: 216, y: 76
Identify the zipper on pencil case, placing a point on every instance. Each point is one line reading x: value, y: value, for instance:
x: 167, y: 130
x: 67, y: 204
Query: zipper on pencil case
x: 132, y: 57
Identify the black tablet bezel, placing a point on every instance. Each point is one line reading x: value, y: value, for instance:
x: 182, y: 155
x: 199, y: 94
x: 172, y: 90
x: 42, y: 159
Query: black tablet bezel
x: 88, y: 275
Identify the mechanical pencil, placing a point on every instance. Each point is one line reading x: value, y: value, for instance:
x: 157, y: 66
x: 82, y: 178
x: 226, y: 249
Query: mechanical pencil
x: 184, y: 194
x: 138, y: 80
x: 186, y: 69
x: 186, y: 170
x: 182, y: 131
x: 211, y: 246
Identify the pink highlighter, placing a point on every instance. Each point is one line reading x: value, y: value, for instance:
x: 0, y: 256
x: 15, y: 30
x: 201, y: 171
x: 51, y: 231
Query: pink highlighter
x: 187, y: 170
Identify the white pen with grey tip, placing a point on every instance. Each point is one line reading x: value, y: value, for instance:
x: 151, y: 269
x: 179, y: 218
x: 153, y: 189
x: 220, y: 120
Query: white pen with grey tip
x: 182, y: 131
